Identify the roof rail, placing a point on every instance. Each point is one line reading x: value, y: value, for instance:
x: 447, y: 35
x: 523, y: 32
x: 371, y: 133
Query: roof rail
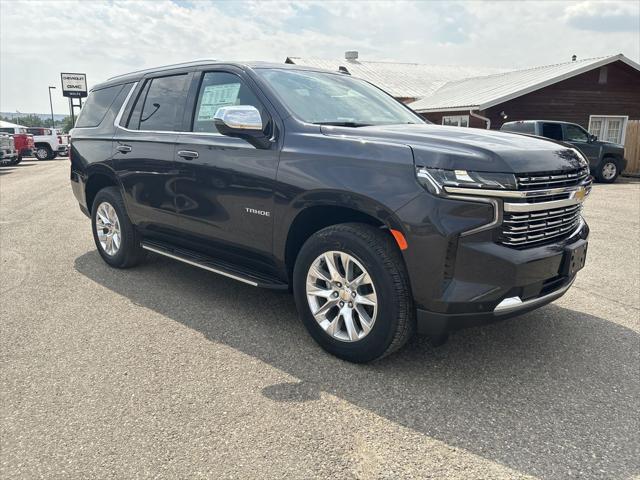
x: 162, y: 67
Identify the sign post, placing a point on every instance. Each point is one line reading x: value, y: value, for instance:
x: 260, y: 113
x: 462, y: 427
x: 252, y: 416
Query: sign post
x: 74, y: 85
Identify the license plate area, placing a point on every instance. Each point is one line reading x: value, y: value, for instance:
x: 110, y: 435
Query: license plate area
x: 574, y: 259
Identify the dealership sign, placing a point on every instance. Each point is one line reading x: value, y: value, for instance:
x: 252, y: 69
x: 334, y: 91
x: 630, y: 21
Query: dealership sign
x: 74, y: 84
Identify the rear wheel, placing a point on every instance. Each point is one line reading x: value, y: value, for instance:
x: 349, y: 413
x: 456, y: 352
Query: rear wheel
x: 115, y: 236
x: 44, y: 152
x: 607, y: 171
x: 352, y: 292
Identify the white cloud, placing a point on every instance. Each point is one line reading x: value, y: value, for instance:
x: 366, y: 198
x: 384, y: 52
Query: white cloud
x: 105, y: 39
x: 604, y: 16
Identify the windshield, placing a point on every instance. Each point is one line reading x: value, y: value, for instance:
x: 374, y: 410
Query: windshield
x: 335, y: 99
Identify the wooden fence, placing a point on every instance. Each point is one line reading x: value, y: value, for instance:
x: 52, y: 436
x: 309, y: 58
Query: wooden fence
x: 632, y: 147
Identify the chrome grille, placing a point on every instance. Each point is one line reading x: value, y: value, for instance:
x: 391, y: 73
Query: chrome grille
x: 539, y: 181
x: 527, y: 229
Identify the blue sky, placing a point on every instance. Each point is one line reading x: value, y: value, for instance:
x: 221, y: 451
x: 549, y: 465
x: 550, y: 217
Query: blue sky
x: 104, y: 38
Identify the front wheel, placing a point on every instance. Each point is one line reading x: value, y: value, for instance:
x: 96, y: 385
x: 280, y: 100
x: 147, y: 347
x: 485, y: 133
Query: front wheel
x: 115, y: 236
x: 352, y: 292
x: 607, y: 171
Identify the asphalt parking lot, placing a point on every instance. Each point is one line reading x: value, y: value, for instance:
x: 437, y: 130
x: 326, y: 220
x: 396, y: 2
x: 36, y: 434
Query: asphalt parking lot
x: 169, y: 371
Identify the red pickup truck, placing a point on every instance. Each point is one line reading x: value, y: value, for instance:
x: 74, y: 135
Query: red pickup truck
x: 23, y: 141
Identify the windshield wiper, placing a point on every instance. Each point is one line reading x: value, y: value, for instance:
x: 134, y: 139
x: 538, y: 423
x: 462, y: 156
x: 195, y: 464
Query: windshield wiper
x: 343, y: 124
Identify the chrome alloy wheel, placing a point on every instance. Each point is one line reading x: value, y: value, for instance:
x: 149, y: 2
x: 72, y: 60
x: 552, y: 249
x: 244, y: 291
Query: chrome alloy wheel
x: 609, y: 170
x: 108, y: 228
x: 42, y: 153
x: 341, y: 296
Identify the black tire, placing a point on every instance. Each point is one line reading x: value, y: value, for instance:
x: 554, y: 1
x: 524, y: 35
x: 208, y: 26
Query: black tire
x: 18, y: 159
x: 604, y: 172
x: 130, y: 253
x: 380, y: 256
x: 43, y: 152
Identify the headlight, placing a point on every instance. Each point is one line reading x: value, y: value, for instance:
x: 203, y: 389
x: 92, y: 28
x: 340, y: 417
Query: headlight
x: 436, y: 179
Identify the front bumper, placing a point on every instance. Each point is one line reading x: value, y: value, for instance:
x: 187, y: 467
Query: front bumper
x: 433, y: 323
x: 461, y: 281
x: 9, y: 153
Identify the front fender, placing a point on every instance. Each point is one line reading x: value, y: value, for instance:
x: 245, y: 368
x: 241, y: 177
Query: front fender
x: 339, y: 199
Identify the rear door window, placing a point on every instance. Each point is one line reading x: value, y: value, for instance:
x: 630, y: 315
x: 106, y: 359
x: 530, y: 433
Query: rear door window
x: 552, y: 130
x: 160, y: 104
x: 97, y: 105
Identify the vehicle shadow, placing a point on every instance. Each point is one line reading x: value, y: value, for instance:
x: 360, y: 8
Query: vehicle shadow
x: 4, y: 169
x: 553, y: 393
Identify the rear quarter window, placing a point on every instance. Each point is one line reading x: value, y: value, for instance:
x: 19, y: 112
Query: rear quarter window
x: 97, y: 106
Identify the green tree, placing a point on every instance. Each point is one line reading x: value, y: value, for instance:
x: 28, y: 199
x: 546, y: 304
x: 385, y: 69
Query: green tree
x: 32, y: 120
x: 66, y: 124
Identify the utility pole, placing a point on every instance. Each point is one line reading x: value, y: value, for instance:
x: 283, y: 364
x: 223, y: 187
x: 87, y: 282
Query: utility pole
x: 51, y: 105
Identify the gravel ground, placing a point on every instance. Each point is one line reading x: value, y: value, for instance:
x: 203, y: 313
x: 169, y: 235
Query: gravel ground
x: 169, y: 371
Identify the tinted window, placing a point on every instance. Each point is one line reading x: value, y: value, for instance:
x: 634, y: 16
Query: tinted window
x: 519, y: 127
x: 134, y: 117
x: 6, y: 130
x: 39, y: 131
x: 221, y: 89
x: 573, y: 133
x: 96, y: 106
x: 160, y: 104
x: 552, y: 130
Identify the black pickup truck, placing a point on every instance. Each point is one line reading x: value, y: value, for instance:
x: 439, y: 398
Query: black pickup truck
x: 284, y: 177
x: 606, y: 160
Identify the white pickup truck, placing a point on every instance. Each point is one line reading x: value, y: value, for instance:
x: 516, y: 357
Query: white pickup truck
x: 47, y: 142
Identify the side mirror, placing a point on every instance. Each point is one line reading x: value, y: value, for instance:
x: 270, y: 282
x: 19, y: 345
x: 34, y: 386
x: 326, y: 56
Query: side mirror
x: 592, y: 138
x: 241, y: 121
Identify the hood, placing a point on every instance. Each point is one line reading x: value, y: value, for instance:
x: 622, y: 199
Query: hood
x: 470, y: 148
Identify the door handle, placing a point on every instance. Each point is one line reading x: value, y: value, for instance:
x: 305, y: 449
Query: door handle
x: 188, y: 154
x: 124, y: 148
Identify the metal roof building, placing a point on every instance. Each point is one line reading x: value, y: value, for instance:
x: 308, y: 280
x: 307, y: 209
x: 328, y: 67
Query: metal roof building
x: 482, y: 92
x: 405, y: 81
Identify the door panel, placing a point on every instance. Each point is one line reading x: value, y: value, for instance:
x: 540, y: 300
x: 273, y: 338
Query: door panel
x: 225, y: 185
x: 148, y: 175
x: 144, y: 151
x: 225, y: 195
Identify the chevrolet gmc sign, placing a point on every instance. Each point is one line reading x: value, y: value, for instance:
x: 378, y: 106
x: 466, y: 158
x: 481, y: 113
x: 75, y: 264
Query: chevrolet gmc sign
x: 74, y: 85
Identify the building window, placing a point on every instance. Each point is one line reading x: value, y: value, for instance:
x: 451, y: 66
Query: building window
x: 456, y: 120
x: 608, y: 128
x: 602, y: 77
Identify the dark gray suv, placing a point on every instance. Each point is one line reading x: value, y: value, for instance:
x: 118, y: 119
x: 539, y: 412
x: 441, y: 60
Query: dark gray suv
x: 290, y: 178
x: 606, y: 160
